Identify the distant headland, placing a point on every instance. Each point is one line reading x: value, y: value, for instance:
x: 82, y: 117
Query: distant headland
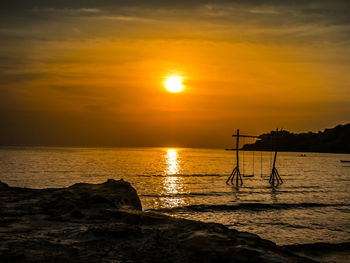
x: 333, y: 140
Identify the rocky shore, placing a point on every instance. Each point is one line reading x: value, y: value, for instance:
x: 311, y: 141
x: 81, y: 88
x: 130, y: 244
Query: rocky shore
x: 105, y: 223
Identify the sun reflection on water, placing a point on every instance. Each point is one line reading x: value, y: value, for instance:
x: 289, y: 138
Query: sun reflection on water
x: 172, y: 184
x: 172, y: 162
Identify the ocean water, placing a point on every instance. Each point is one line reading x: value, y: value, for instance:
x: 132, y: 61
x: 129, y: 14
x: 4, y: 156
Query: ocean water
x: 313, y: 204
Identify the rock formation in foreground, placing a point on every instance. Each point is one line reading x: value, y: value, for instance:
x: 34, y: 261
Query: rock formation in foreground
x: 105, y: 223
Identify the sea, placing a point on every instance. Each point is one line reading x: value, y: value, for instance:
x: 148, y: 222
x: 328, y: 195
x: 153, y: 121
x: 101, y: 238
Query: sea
x: 311, y: 206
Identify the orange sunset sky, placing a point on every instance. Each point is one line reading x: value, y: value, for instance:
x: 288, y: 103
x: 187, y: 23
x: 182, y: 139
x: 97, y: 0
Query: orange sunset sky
x: 92, y: 73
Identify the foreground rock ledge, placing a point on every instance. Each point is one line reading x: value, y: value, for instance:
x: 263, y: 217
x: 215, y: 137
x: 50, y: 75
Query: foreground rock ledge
x: 104, y: 223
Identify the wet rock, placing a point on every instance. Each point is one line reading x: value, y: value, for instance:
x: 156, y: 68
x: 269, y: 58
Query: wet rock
x: 104, y: 223
x: 3, y: 186
x: 121, y: 193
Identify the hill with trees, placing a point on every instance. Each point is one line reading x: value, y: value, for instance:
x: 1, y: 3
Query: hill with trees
x: 334, y: 140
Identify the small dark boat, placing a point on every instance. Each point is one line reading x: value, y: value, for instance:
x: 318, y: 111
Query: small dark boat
x: 345, y: 161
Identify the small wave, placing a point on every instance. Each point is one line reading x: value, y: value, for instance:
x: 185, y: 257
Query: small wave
x: 303, y: 187
x: 94, y: 175
x: 243, y: 206
x: 51, y: 171
x: 186, y: 194
x: 344, y: 210
x: 290, y: 226
x: 181, y: 175
x: 301, y: 192
x: 63, y: 171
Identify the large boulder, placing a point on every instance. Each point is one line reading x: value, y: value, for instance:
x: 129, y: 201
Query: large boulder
x: 80, y: 200
x: 83, y: 199
x: 120, y: 193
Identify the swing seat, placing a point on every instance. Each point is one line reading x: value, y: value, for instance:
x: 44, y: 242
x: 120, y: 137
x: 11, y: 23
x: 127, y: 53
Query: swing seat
x: 248, y: 175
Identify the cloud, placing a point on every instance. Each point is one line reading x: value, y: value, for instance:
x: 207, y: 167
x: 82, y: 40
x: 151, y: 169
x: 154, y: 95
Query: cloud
x: 265, y: 11
x: 218, y: 15
x: 128, y: 19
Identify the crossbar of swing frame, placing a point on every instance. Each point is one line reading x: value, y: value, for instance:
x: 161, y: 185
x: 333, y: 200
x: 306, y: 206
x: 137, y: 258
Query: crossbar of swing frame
x: 246, y: 136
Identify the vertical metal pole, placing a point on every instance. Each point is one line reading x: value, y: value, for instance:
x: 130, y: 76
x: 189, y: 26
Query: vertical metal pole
x: 237, y: 146
x: 274, y: 170
x: 274, y: 160
x: 237, y: 152
x: 274, y: 173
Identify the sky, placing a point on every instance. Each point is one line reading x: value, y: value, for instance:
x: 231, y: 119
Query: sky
x: 91, y: 73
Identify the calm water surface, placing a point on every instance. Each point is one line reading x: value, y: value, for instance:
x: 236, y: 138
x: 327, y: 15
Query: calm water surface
x: 313, y: 204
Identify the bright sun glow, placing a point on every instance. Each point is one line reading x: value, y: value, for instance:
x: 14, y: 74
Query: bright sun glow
x: 174, y: 84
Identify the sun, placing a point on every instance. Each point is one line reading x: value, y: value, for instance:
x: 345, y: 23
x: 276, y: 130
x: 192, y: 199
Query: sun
x: 174, y: 84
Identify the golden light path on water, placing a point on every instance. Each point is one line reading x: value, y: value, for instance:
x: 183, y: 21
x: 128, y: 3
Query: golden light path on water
x: 172, y: 184
x: 172, y: 162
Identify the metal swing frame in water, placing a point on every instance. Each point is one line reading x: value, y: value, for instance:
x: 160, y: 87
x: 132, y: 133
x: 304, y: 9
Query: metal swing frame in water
x: 236, y: 175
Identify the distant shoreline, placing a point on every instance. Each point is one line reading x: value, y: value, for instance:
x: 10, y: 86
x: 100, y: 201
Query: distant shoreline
x: 334, y: 140
x: 257, y: 150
